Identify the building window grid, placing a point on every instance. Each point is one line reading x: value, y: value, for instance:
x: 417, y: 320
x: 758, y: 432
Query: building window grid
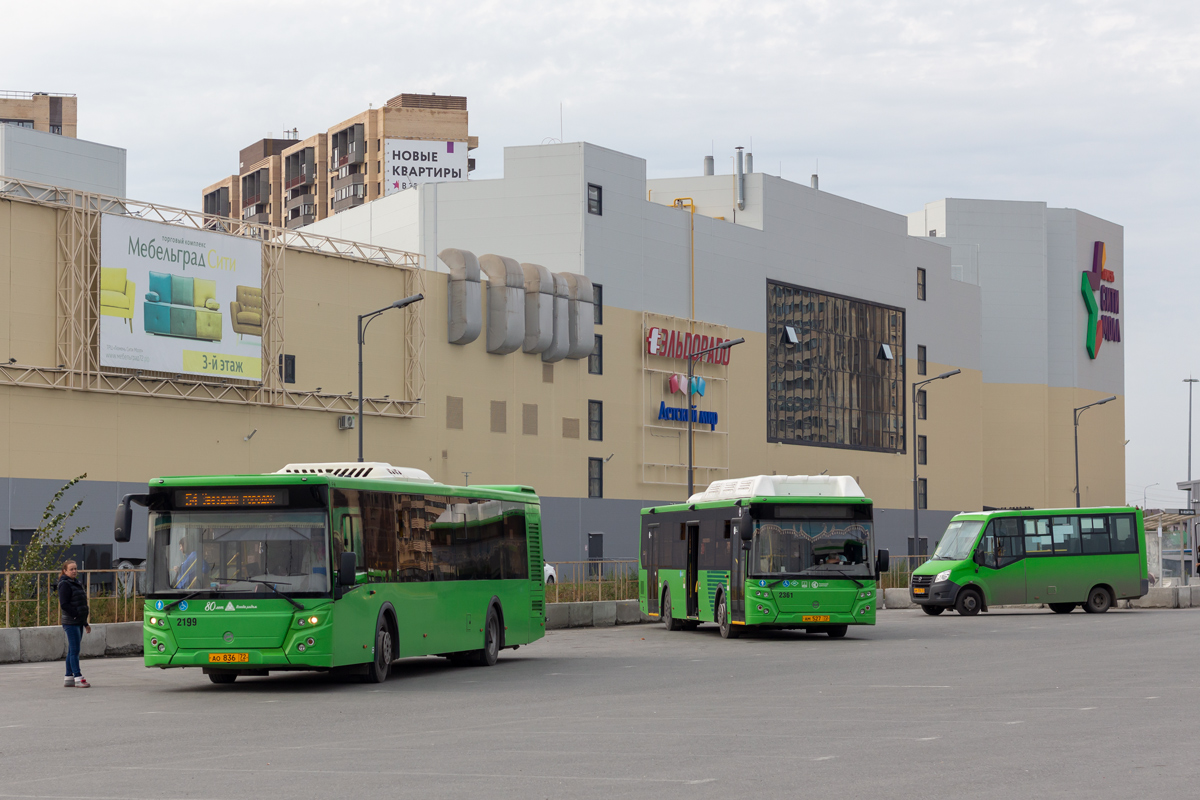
x: 920, y: 359
x: 920, y: 283
x: 595, y: 199
x: 598, y: 303
x: 922, y: 493
x: 595, y: 420
x: 595, y: 477
x: 596, y: 359
x: 922, y: 452
x: 832, y: 389
x: 921, y: 410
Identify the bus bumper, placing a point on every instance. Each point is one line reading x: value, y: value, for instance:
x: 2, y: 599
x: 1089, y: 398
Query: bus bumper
x: 265, y: 658
x: 942, y: 593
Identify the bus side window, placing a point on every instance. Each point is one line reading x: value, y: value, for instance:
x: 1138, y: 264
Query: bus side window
x: 1094, y: 533
x: 1010, y: 543
x: 1066, y: 535
x: 1037, y: 537
x: 1124, y: 536
x: 987, y: 547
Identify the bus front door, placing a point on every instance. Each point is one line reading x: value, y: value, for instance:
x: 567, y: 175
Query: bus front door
x: 693, y: 572
x: 652, y: 556
x: 1001, y: 561
x: 737, y: 578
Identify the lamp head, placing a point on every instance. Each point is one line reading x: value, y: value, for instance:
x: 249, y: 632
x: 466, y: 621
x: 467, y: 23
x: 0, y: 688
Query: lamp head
x: 408, y: 301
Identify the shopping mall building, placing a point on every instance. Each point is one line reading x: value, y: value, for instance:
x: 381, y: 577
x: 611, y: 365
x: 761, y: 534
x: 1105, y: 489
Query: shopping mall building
x: 560, y: 303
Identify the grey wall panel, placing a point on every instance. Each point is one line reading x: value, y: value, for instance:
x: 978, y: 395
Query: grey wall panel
x: 566, y: 522
x: 25, y: 499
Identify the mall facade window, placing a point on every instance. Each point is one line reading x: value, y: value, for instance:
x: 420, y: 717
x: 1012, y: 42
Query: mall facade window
x: 922, y: 493
x: 598, y: 303
x: 596, y: 359
x: 595, y: 477
x: 595, y: 200
x: 920, y: 283
x: 920, y: 359
x: 921, y: 452
x: 836, y: 378
x: 595, y: 420
x: 921, y: 404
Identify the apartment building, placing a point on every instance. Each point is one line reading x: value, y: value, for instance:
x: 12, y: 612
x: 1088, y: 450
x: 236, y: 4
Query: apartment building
x: 293, y: 183
x: 48, y: 112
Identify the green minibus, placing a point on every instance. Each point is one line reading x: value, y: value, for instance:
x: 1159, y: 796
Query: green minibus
x: 1062, y: 558
x: 768, y: 552
x: 337, y: 566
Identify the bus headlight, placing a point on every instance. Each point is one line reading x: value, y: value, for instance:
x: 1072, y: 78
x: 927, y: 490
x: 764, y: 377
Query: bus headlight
x: 310, y: 641
x: 154, y: 620
x: 300, y: 647
x: 161, y: 647
x: 944, y: 575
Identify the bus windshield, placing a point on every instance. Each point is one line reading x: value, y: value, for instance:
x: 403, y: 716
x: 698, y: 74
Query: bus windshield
x: 814, y: 547
x: 958, y: 541
x: 238, y: 551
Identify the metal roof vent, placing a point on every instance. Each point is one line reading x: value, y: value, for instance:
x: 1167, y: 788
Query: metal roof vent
x: 780, y: 486
x: 358, y: 469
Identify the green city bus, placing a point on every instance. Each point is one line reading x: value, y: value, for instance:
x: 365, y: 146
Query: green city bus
x: 769, y: 551
x: 1060, y: 557
x: 342, y: 567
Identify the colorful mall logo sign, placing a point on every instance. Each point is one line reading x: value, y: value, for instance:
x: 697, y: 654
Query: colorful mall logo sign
x: 675, y: 344
x: 1101, y: 327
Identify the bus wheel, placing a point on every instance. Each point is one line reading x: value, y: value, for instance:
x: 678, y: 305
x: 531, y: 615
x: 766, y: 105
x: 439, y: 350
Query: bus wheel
x: 377, y: 670
x: 933, y: 611
x: 222, y: 677
x: 491, y: 641
x: 968, y: 603
x: 728, y: 629
x: 1062, y: 608
x: 837, y: 631
x: 669, y: 622
x: 1099, y: 600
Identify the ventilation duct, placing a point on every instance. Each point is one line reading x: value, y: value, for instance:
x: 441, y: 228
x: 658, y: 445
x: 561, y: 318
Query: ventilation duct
x: 505, y: 303
x: 560, y: 343
x: 465, y: 315
x: 710, y: 166
x: 741, y: 181
x: 539, y: 308
x: 581, y: 316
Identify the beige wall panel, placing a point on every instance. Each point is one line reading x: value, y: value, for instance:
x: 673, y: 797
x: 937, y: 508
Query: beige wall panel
x: 32, y: 271
x: 1101, y: 449
x: 6, y: 243
x: 1014, y: 441
x: 425, y: 123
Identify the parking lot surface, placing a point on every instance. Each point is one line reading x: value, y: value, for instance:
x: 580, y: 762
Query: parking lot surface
x: 1008, y: 704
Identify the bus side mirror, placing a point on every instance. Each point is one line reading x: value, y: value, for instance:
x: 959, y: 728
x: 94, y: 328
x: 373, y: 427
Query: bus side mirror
x: 123, y: 523
x: 746, y: 531
x: 882, y: 561
x: 347, y: 564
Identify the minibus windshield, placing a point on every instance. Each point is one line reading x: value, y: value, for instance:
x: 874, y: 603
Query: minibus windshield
x: 958, y: 540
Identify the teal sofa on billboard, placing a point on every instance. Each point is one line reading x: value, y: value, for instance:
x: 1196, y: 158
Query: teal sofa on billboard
x: 185, y: 307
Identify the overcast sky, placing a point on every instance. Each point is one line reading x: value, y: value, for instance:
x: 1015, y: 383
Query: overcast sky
x: 1090, y: 105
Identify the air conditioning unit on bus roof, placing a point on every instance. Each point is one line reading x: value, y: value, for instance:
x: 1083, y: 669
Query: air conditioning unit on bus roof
x: 358, y: 469
x: 779, y: 486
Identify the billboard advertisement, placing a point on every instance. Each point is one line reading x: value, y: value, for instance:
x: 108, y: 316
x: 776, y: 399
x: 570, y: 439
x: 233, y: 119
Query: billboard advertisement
x: 408, y: 162
x: 179, y: 300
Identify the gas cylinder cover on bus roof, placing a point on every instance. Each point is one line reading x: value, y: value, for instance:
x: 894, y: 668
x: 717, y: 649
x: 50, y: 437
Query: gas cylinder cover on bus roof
x: 779, y: 486
x: 358, y: 469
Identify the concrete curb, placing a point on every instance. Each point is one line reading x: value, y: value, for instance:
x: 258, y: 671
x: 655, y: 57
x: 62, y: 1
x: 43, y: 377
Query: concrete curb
x: 600, y: 614
x: 897, y: 598
x: 49, y: 643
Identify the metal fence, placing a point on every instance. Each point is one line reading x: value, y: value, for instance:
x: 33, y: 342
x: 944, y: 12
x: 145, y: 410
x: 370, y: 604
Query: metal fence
x: 114, y: 595
x: 579, y: 581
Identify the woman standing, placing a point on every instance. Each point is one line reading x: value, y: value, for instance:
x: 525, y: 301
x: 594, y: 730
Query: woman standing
x: 72, y: 600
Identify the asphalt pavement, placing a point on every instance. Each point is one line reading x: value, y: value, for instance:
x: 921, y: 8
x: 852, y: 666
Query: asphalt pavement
x: 1015, y: 703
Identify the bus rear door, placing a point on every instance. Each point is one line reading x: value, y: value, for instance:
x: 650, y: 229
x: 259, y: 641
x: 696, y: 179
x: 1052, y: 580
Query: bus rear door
x: 693, y: 571
x: 651, y: 564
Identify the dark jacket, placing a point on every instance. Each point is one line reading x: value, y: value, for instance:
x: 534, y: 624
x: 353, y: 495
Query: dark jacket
x: 72, y: 601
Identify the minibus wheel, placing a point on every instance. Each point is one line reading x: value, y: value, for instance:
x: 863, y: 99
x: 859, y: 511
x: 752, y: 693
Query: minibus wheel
x: 968, y: 603
x: 1099, y: 600
x: 1062, y: 608
x: 933, y: 611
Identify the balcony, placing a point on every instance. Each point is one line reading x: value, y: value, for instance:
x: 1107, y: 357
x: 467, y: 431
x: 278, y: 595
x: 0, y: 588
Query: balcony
x: 301, y: 200
x: 347, y: 202
x: 253, y: 200
x: 264, y: 218
x: 349, y: 180
x: 300, y: 221
x: 302, y: 179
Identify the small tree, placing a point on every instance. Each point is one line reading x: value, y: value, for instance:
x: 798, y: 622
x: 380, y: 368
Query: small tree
x: 45, y: 551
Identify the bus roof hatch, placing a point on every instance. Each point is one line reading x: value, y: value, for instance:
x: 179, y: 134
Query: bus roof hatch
x: 779, y: 486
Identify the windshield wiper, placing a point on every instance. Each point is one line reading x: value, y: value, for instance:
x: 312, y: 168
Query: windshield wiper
x: 271, y: 585
x: 844, y: 575
x: 180, y: 600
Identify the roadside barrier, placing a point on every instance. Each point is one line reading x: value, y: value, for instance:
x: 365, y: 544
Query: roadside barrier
x: 30, y: 600
x: 49, y: 643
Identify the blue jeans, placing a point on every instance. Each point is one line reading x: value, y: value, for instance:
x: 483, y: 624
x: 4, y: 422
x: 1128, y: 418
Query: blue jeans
x: 74, y: 637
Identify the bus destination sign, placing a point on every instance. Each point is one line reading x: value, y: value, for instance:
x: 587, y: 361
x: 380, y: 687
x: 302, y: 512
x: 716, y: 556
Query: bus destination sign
x: 230, y: 498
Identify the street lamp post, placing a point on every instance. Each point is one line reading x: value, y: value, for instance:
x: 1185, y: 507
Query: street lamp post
x: 1078, y: 412
x: 1190, y: 525
x: 362, y: 329
x: 916, y: 521
x: 688, y: 390
x: 1144, y: 488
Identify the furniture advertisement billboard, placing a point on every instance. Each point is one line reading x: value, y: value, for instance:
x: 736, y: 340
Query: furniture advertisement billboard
x: 179, y: 300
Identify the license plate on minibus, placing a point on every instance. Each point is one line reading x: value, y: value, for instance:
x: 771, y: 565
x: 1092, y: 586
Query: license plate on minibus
x: 228, y: 658
x: 816, y: 618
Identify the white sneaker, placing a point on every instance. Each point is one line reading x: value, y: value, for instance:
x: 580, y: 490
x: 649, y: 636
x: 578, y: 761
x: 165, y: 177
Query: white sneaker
x: 68, y: 683
x: 81, y: 683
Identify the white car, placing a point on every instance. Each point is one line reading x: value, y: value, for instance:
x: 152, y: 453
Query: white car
x: 549, y: 573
